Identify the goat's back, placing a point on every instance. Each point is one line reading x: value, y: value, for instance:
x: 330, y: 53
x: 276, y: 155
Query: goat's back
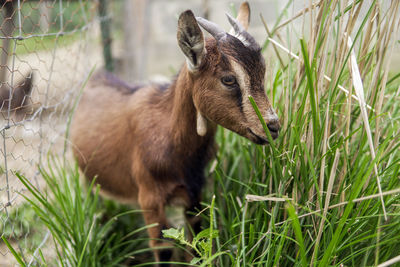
x: 103, y: 132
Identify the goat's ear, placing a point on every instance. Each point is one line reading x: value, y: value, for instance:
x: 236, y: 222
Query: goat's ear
x: 244, y: 15
x: 191, y: 40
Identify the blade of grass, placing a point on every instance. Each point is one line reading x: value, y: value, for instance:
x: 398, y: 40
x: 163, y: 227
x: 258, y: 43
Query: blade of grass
x: 390, y: 262
x: 85, y: 244
x: 311, y: 88
x: 210, y: 239
x: 326, y: 206
x: 358, y: 86
x: 387, y: 193
x: 15, y: 253
x: 297, y: 232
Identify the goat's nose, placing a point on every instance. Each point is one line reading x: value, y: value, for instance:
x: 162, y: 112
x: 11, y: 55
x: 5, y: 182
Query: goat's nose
x: 274, y: 127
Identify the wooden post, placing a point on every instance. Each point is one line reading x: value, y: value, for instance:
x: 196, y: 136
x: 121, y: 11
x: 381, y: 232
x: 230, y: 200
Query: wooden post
x: 206, y: 9
x: 105, y: 24
x: 44, y: 16
x: 136, y: 28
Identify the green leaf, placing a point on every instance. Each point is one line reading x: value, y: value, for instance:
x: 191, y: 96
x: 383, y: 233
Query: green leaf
x: 195, y: 260
x: 175, y: 234
x: 204, y: 246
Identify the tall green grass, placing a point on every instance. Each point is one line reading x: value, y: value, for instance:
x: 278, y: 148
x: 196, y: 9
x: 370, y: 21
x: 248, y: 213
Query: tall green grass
x: 85, y: 230
x: 313, y: 198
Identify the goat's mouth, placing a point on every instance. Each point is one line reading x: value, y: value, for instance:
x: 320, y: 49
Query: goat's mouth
x: 256, y: 138
x: 260, y: 140
x: 274, y: 133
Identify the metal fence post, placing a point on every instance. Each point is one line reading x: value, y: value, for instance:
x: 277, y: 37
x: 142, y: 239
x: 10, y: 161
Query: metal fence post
x: 105, y: 23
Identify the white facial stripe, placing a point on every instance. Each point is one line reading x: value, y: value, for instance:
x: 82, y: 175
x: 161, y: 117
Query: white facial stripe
x: 242, y: 78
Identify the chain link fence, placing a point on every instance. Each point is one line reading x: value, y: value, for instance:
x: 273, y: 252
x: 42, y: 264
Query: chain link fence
x: 48, y: 49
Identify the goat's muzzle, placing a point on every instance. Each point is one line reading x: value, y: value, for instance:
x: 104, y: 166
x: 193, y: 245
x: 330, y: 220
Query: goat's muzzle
x: 274, y: 127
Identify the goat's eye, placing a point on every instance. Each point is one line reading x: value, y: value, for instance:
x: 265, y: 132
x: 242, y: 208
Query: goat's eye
x: 228, y: 80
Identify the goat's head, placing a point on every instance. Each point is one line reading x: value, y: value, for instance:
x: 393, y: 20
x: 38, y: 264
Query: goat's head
x: 225, y: 70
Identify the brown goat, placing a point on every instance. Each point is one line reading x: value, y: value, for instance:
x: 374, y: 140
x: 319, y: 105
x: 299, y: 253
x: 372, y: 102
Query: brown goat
x: 16, y: 101
x: 151, y: 144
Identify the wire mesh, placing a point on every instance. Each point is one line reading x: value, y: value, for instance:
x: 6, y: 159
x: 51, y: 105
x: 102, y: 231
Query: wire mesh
x: 47, y: 53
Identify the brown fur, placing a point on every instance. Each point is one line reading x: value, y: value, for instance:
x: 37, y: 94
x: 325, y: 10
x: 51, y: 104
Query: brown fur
x: 19, y: 95
x: 143, y: 146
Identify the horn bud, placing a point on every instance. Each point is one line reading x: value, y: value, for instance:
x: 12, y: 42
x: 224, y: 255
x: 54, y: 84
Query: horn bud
x: 217, y: 32
x: 240, y: 32
x: 237, y: 28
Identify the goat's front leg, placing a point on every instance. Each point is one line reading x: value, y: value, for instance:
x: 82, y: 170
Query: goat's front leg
x: 193, y: 219
x: 194, y: 223
x: 152, y: 205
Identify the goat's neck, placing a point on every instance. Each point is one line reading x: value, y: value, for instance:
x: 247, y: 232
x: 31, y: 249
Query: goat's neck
x: 183, y: 114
